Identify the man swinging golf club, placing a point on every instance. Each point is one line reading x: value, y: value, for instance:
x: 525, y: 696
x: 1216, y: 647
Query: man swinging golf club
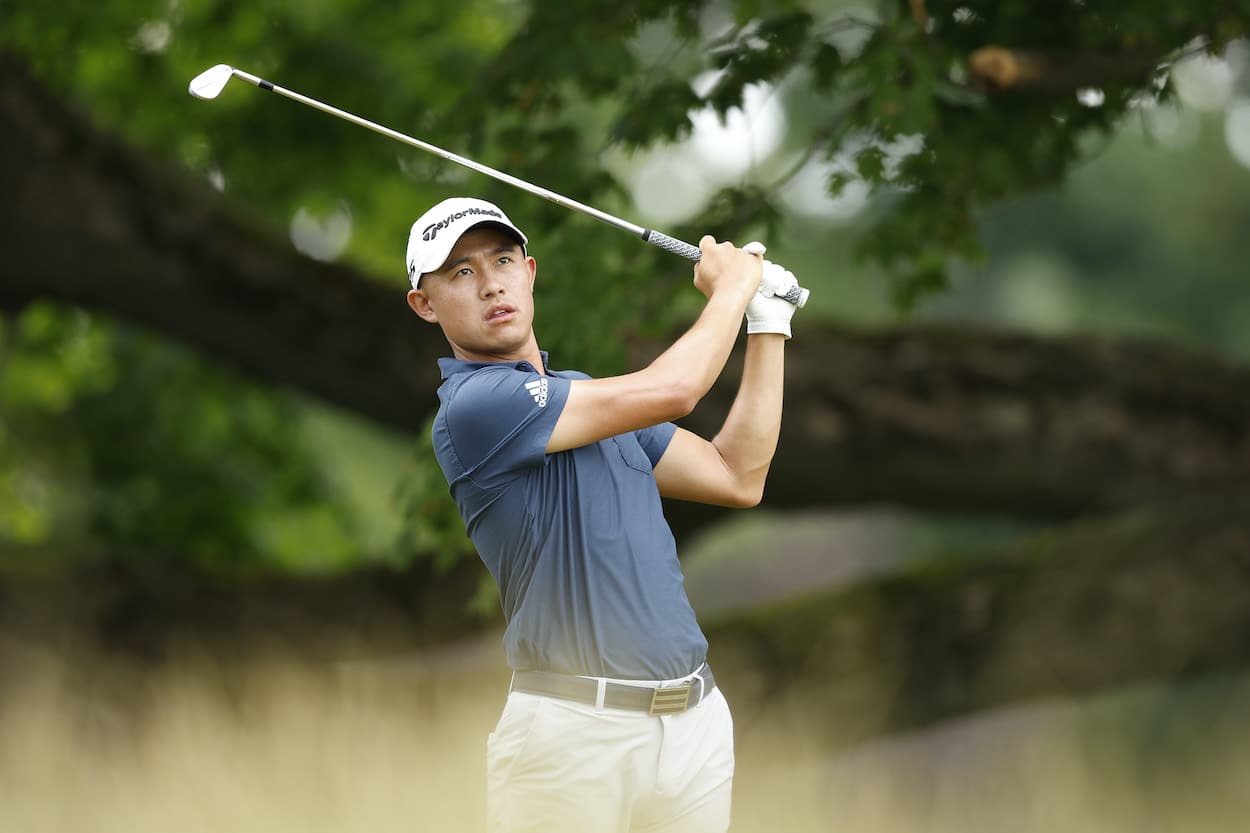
x: 614, y: 721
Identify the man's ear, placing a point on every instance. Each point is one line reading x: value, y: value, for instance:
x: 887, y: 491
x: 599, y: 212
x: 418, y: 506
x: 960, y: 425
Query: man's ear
x: 420, y: 303
x: 533, y: 267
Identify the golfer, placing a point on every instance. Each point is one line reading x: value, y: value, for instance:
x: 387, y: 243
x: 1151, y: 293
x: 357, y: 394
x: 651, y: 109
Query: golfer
x: 614, y: 721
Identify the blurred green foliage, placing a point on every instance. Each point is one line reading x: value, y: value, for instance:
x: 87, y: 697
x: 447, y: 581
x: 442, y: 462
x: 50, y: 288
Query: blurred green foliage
x: 1145, y: 240
x: 117, y: 443
x: 114, y: 441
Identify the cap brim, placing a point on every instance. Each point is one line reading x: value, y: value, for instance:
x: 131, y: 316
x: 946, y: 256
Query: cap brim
x: 443, y: 254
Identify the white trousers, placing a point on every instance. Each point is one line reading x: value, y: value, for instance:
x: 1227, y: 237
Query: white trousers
x: 555, y: 765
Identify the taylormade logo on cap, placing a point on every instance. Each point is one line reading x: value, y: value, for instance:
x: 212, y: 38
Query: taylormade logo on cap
x: 436, y: 232
x: 431, y: 231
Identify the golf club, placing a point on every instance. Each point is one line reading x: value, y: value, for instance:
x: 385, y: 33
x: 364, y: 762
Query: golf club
x: 209, y: 84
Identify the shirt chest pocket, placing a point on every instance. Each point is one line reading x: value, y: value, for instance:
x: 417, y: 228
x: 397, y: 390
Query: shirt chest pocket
x: 632, y: 453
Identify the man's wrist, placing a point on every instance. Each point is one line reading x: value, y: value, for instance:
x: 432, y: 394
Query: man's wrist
x: 768, y: 328
x: 732, y: 294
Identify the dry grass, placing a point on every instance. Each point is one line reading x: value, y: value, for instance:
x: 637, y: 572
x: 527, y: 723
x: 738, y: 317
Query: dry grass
x: 274, y: 746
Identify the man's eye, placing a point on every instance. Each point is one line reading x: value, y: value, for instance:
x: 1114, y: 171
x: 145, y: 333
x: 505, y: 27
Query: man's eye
x: 465, y: 271
x: 506, y: 259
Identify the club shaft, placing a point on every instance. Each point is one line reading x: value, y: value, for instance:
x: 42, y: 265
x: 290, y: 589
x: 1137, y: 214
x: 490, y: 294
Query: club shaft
x: 558, y: 199
x: 797, y: 295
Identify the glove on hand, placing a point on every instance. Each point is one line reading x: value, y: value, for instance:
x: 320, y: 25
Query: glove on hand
x: 769, y: 314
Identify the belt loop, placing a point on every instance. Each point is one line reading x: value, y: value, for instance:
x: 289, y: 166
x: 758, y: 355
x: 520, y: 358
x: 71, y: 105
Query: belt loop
x: 702, y: 683
x: 600, y: 693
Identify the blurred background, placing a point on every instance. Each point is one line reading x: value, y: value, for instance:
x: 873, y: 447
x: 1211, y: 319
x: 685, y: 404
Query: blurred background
x: 1001, y: 575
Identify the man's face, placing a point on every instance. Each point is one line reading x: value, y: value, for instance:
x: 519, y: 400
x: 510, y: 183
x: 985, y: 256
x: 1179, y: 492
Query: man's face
x: 482, y: 296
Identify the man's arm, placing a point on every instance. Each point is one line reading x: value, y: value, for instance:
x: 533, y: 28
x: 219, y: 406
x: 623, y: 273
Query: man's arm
x: 731, y: 469
x: 672, y: 385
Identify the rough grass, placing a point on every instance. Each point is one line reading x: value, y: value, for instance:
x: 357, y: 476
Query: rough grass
x: 268, y: 745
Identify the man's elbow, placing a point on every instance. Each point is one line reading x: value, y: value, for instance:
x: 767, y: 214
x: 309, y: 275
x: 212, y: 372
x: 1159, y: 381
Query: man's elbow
x: 673, y: 390
x: 680, y: 400
x: 746, y: 497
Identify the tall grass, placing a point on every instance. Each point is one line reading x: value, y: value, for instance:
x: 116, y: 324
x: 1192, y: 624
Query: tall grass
x: 273, y: 745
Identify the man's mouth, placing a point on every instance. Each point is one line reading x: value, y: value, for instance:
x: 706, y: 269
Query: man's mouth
x: 499, y: 313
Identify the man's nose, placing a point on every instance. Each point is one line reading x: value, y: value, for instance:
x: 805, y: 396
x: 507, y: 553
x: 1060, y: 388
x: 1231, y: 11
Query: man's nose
x: 491, y: 283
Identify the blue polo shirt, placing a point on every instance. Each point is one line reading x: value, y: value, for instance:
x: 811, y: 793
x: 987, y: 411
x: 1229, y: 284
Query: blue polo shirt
x: 577, y: 541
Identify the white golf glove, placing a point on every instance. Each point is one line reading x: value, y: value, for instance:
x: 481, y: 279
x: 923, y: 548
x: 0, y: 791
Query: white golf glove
x: 767, y: 313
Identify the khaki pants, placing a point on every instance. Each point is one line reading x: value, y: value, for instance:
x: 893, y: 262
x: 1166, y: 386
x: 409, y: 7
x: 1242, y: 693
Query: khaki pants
x: 555, y: 765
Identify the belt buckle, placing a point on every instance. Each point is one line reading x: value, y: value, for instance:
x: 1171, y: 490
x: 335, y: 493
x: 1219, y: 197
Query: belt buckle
x: 670, y: 699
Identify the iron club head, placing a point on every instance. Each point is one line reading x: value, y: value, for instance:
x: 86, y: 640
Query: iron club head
x: 209, y: 83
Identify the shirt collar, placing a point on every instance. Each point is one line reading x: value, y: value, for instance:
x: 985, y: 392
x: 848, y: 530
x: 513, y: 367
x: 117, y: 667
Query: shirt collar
x: 451, y: 366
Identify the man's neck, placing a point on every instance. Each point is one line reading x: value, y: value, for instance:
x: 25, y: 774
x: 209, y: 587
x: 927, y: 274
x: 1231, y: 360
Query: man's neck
x: 530, y: 353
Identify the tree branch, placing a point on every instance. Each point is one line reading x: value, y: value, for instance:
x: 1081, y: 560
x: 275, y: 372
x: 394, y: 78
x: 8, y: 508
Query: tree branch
x: 949, y: 418
x: 1002, y: 69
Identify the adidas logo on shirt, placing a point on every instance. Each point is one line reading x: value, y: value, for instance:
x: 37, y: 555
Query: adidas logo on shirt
x: 538, y: 390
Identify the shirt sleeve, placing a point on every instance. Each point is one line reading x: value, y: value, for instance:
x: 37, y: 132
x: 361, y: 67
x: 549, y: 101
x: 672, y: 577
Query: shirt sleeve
x: 501, y: 420
x: 655, y: 439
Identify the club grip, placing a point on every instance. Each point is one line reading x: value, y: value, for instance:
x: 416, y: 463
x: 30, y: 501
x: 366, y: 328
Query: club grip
x: 796, y: 295
x: 672, y: 244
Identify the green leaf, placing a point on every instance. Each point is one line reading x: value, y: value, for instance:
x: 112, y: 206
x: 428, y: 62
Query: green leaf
x: 870, y: 163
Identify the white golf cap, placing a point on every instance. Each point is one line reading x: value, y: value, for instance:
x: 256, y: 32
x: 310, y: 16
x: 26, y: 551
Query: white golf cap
x: 435, y: 232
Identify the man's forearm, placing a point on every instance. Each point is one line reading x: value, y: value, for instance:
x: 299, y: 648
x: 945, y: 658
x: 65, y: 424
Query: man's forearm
x: 670, y: 386
x: 748, y: 439
x: 696, y: 359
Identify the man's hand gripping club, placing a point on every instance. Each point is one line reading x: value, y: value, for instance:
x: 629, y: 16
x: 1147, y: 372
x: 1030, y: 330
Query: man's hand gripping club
x: 767, y: 311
